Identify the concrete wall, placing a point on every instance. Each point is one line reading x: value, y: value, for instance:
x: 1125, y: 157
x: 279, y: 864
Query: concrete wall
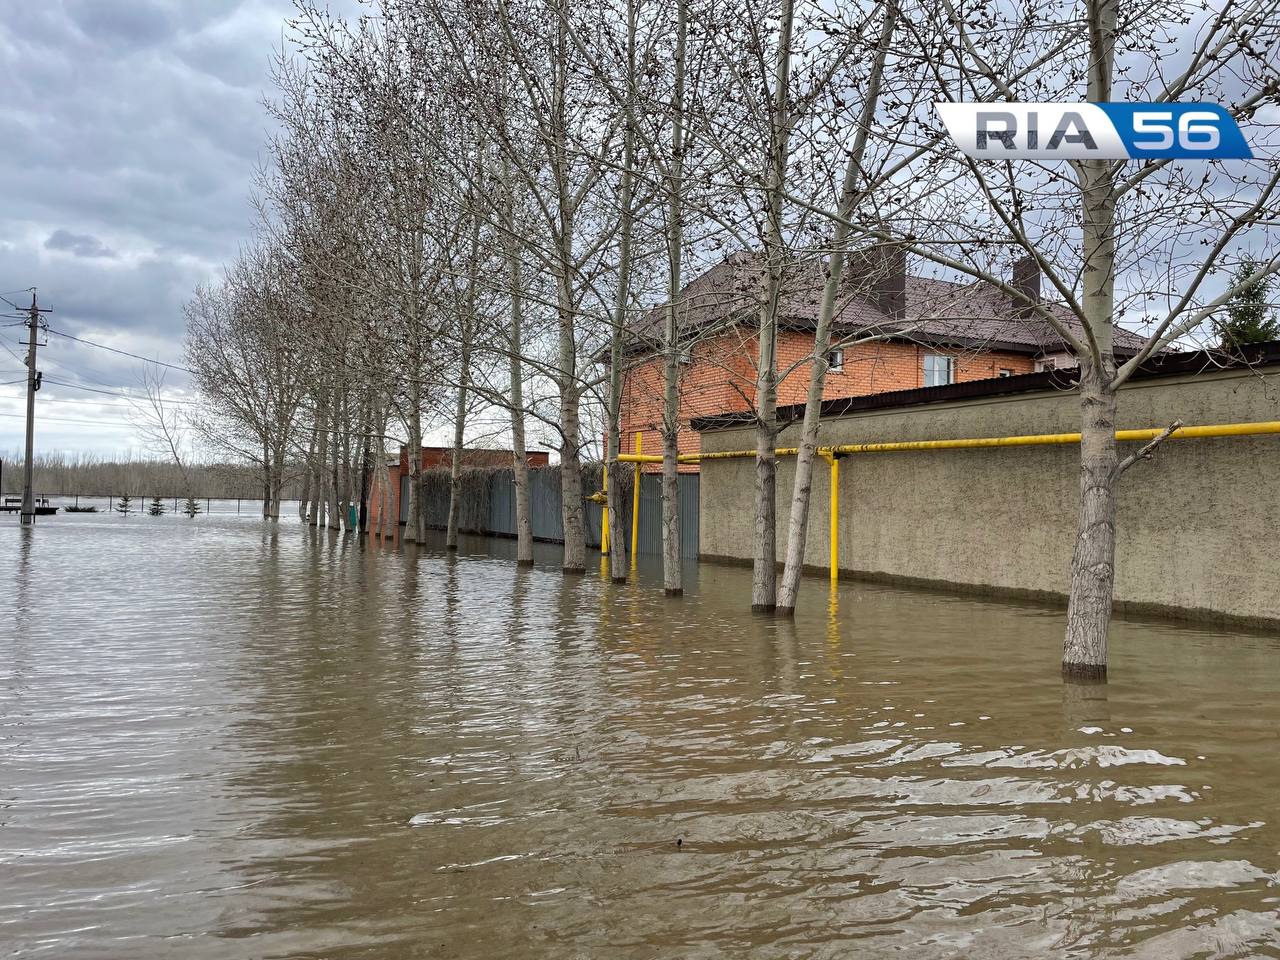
x: 1199, y: 528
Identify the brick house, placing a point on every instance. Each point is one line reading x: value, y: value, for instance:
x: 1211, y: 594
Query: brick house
x: 931, y: 333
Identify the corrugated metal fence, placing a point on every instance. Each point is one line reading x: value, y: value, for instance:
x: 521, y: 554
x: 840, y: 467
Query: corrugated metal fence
x: 493, y: 496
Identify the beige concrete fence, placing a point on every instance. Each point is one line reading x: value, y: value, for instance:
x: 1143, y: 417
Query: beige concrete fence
x: 1199, y: 527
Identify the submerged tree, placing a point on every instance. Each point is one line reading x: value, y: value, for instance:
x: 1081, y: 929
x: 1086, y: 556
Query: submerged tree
x: 1113, y: 240
x: 124, y: 505
x: 156, y: 509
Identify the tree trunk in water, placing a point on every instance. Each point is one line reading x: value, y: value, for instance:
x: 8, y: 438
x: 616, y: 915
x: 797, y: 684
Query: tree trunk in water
x: 455, y: 464
x: 802, y: 492
x: 413, y: 510
x: 319, y: 497
x: 515, y: 343
x: 387, y: 523
x: 335, y: 492
x: 619, y: 475
x: 764, y: 567
x: 672, y: 572
x: 1084, y: 647
x: 524, y: 526
x: 575, y: 538
x: 464, y: 381
x: 266, y: 481
x: 305, y: 502
x: 277, y: 482
x: 1084, y: 654
x: 564, y: 270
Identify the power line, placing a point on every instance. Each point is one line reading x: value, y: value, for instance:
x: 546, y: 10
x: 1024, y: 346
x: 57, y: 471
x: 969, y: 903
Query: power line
x: 92, y: 423
x: 123, y: 353
x: 100, y: 403
x: 12, y: 354
x: 110, y: 393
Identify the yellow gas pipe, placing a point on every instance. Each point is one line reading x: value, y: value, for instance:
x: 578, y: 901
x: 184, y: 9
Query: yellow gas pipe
x: 604, y: 510
x: 833, y: 454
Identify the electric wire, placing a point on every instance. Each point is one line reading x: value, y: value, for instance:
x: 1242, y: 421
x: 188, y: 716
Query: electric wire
x: 123, y: 353
x: 92, y: 423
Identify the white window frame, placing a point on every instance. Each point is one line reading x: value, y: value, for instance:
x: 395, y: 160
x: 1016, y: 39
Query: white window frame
x: 949, y: 364
x: 835, y: 360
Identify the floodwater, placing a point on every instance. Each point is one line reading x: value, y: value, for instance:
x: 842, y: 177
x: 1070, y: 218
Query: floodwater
x: 219, y: 740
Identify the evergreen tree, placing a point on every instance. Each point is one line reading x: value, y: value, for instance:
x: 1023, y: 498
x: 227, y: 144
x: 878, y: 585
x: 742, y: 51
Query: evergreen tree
x: 1250, y: 318
x: 191, y: 507
x: 157, y: 507
x: 125, y: 506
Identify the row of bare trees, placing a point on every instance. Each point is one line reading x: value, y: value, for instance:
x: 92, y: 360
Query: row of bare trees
x: 472, y: 211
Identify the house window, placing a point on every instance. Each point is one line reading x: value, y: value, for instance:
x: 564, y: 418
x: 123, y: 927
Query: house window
x: 938, y: 370
x: 835, y: 361
x: 1006, y: 372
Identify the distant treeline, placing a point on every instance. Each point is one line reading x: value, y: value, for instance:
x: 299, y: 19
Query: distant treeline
x: 86, y: 475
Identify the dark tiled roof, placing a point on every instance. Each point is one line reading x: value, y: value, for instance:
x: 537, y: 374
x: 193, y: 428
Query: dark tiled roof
x: 936, y: 311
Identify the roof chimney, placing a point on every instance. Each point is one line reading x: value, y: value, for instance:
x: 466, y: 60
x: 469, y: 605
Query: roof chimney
x: 888, y: 280
x: 1026, y: 280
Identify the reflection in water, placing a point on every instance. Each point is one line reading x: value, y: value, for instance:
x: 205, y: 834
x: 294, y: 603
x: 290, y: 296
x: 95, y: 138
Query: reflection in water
x: 221, y: 740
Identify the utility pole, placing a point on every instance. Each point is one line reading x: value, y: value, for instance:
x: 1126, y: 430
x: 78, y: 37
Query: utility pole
x: 28, y: 515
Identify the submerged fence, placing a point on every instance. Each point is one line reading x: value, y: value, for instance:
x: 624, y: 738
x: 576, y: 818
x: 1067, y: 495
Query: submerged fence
x: 488, y: 506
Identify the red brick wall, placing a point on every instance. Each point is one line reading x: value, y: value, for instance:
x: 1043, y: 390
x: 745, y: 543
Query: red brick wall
x: 722, y: 375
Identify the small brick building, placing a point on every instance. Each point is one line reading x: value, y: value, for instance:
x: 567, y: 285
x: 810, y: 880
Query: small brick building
x: 930, y: 332
x: 442, y: 458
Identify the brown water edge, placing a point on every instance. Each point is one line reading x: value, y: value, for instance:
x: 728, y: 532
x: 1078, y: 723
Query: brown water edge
x: 220, y: 740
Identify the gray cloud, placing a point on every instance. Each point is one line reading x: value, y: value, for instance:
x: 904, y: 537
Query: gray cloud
x: 133, y: 132
x: 79, y: 244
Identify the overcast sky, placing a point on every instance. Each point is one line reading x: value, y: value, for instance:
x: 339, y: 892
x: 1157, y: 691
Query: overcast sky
x: 131, y: 134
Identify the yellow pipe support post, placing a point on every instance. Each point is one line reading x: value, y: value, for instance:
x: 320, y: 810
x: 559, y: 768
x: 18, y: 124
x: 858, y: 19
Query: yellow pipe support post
x: 635, y: 500
x: 604, y: 510
x: 834, y: 533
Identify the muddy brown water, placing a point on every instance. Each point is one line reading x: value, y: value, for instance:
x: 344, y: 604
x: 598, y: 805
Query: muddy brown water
x: 219, y: 740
